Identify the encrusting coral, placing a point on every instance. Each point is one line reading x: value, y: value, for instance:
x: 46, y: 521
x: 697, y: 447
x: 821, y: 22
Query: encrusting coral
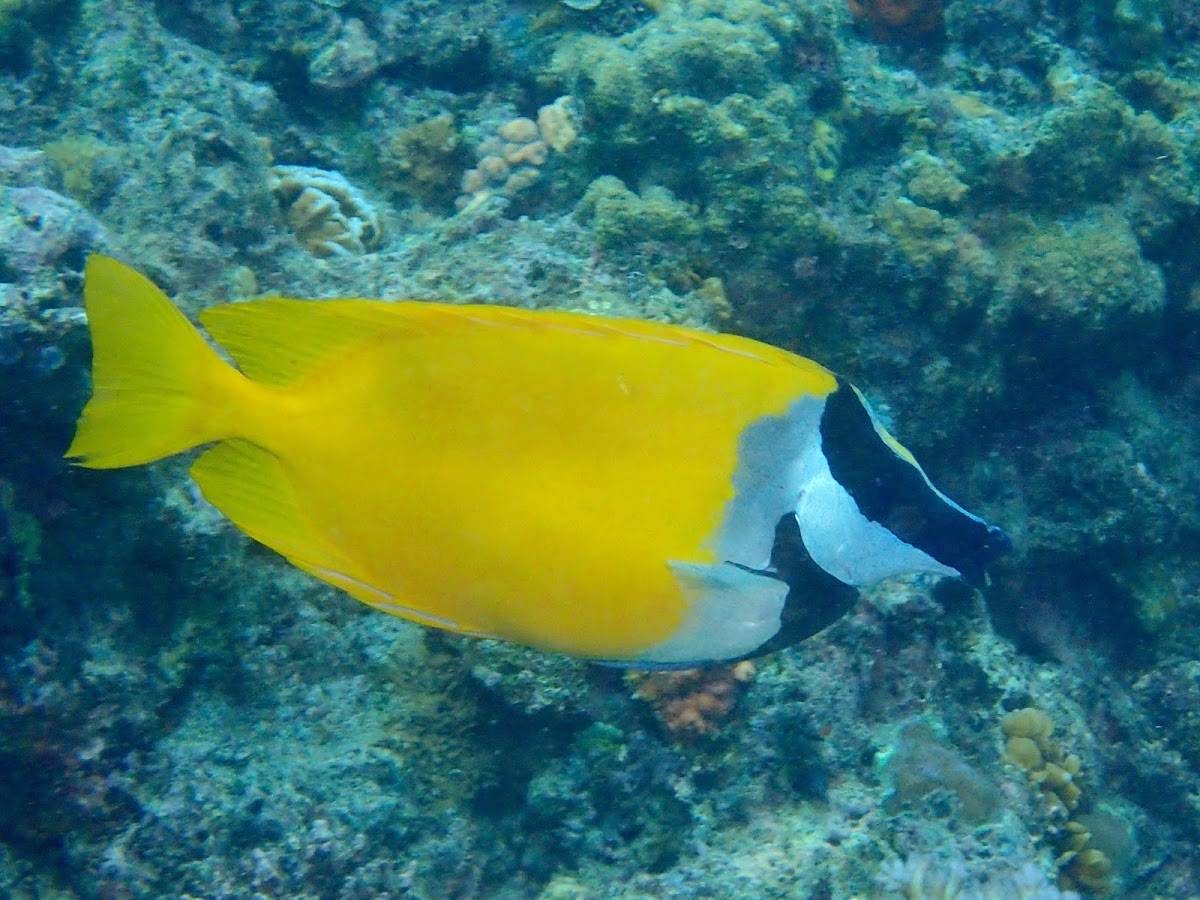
x: 327, y: 214
x: 350, y: 60
x: 899, y: 21
x: 692, y: 702
x: 926, y: 878
x: 424, y: 159
x: 919, y: 763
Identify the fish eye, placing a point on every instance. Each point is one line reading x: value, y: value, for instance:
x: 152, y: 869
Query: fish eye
x: 997, y: 542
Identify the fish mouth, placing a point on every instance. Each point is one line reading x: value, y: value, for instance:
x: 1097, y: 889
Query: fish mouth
x: 998, y: 544
x: 995, y: 544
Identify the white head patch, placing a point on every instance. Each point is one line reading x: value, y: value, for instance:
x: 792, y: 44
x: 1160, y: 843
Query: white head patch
x: 847, y: 545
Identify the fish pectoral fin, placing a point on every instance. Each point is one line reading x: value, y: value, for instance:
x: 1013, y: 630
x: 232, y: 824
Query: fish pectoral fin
x: 731, y: 612
x: 252, y: 488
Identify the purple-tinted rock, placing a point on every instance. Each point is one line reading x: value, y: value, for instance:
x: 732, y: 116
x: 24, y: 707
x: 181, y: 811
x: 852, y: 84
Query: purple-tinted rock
x: 350, y: 60
x: 21, y: 166
x: 40, y: 228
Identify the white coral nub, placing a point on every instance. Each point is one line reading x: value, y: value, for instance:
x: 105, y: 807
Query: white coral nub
x: 327, y: 214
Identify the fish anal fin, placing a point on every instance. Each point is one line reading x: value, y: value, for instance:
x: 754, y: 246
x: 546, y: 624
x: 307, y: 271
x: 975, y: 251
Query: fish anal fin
x: 252, y: 488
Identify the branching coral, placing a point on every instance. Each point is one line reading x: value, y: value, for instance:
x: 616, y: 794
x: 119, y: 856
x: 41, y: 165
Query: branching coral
x: 326, y: 213
x: 511, y: 160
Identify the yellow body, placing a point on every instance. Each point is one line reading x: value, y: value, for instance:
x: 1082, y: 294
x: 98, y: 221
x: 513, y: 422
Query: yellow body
x: 525, y: 475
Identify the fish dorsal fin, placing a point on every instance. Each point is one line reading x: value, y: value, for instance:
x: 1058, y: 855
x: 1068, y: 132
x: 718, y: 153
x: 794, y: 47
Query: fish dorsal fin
x: 278, y: 341
x: 604, y: 326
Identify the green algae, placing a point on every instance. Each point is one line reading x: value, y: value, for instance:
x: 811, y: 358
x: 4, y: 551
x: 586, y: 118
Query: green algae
x: 1087, y: 273
x: 925, y: 236
x: 1077, y: 151
x: 932, y: 181
x: 426, y: 159
x: 90, y: 167
x: 619, y: 217
x: 696, y: 107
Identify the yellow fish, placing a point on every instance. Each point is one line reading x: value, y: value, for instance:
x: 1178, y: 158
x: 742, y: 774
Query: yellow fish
x: 618, y: 490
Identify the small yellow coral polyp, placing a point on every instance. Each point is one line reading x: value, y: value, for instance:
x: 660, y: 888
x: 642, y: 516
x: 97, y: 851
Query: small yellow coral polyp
x: 1023, y: 753
x: 1029, y: 748
x: 1091, y: 869
x: 1029, y: 723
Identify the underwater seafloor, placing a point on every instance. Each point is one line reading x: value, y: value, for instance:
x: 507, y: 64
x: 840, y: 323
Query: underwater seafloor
x: 985, y: 215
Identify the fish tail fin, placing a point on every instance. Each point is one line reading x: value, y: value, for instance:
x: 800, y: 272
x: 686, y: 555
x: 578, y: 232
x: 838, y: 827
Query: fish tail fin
x: 158, y: 388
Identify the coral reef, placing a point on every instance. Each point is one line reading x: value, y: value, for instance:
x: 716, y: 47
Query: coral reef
x: 91, y: 169
x: 918, y: 764
x: 899, y: 20
x: 620, y: 218
x: 40, y: 228
x: 1029, y: 747
x: 326, y: 213
x: 349, y: 60
x: 1083, y: 863
x: 511, y: 160
x: 984, y: 218
x: 425, y: 159
x: 921, y: 878
x: 693, y: 702
x: 20, y: 22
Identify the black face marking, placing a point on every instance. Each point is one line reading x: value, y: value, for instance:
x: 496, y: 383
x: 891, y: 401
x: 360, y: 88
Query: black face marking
x: 891, y: 491
x: 9, y: 563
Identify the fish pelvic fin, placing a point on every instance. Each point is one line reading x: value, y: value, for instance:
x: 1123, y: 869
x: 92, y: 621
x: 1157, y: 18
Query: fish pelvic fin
x: 157, y: 387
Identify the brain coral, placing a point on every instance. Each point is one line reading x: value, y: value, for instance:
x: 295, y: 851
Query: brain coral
x: 326, y: 213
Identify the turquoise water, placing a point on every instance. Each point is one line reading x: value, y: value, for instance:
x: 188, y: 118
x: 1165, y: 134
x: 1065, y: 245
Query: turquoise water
x: 983, y: 217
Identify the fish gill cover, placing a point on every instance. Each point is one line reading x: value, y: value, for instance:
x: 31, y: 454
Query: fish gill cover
x: 981, y: 215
